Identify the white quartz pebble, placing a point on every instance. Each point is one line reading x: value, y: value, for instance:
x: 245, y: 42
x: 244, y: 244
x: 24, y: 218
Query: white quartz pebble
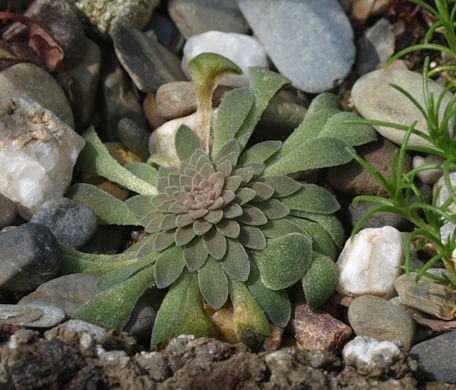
x: 429, y: 176
x: 368, y: 263
x: 245, y: 51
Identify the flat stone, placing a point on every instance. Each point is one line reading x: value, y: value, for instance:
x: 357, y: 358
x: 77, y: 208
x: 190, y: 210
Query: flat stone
x: 31, y: 82
x: 310, y: 42
x: 33, y: 316
x: 103, y: 15
x: 317, y: 329
x: 134, y: 137
x: 375, y: 99
x: 437, y: 356
x: 429, y: 176
x: 72, y: 223
x: 29, y: 256
x: 148, y: 63
x: 427, y: 295
x: 353, y: 179
x: 244, y: 50
x: 37, y: 154
x: 85, y: 75
x: 8, y: 211
x: 368, y: 263
x: 377, y: 318
x: 199, y: 16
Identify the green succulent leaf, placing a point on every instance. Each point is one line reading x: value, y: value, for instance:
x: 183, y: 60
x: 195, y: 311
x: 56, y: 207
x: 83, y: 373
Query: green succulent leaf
x: 230, y: 116
x: 186, y: 142
x: 94, y: 157
x: 215, y: 243
x: 109, y: 210
x: 275, y: 304
x: 354, y: 134
x: 320, y: 281
x: 315, y: 153
x: 120, y: 275
x: 252, y: 216
x: 252, y: 237
x: 74, y: 262
x: 263, y: 191
x: 181, y: 312
x: 284, y: 260
x: 260, y: 152
x: 213, y: 283
x: 112, y: 308
x: 283, y: 185
x: 323, y: 101
x: 250, y: 322
x: 321, y: 240
x: 264, y: 84
x: 169, y: 266
x: 195, y: 254
x: 236, y: 261
x: 312, y: 198
x: 329, y: 222
x: 139, y: 205
x: 273, y: 208
x: 143, y: 171
x: 279, y: 227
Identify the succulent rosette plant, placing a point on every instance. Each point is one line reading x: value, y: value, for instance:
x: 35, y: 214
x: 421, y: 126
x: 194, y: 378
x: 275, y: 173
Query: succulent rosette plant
x: 226, y: 224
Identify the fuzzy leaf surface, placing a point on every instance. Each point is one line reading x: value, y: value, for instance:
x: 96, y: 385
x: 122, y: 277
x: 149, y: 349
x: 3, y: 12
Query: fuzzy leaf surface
x: 109, y: 210
x: 236, y: 261
x: 143, y: 171
x: 312, y: 198
x: 112, y: 308
x: 213, y: 283
x: 186, y: 142
x: 320, y: 281
x: 169, y: 266
x: 139, y: 205
x: 283, y: 185
x: 260, y: 152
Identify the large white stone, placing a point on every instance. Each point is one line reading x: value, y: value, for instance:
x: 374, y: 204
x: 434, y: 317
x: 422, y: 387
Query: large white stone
x: 447, y: 229
x: 37, y: 154
x: 368, y: 263
x: 243, y: 50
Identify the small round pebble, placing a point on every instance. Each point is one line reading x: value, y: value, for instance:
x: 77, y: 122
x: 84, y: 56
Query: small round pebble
x: 71, y: 223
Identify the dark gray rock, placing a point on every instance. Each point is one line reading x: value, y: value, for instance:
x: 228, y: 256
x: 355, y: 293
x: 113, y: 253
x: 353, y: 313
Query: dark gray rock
x: 310, y: 42
x: 437, y: 355
x: 134, y: 137
x: 71, y: 223
x: 199, y: 16
x: 8, y: 211
x: 29, y: 256
x: 59, y: 19
x: 34, y: 316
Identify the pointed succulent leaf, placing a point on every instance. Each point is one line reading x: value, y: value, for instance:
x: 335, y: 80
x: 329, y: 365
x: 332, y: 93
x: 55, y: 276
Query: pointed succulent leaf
x: 279, y: 227
x: 231, y: 157
x: 164, y: 207
x: 214, y: 216
x: 252, y: 237
x: 186, y: 142
x: 260, y: 152
x: 273, y: 208
x: 245, y: 173
x: 229, y: 147
x: 285, y: 260
x: 312, y: 198
x: 329, y: 222
x: 201, y: 227
x: 207, y: 70
x: 207, y: 170
x: 257, y: 167
x: 263, y: 191
x: 184, y: 220
x: 250, y: 323
x: 354, y: 134
x: 159, y: 199
x: 320, y: 280
x: 118, y: 276
x: 139, y: 205
x: 202, y: 160
x: 232, y: 183
x: 184, y: 235
x: 315, y: 153
x: 252, y: 216
x: 283, y: 185
x: 109, y: 210
x: 264, y: 84
x: 232, y: 210
x: 111, y: 309
x: 225, y: 167
x: 323, y: 101
x: 213, y: 283
x: 228, y: 228
x: 195, y: 254
x: 321, y: 240
x: 169, y: 266
x: 236, y: 262
x: 190, y: 318
x: 163, y: 240
x: 194, y: 158
x: 94, y: 157
x: 173, y: 180
x: 143, y: 171
x: 168, y: 222
x: 154, y: 225
x: 244, y: 195
x: 147, y: 246
x: 215, y: 243
x: 231, y: 115
x: 149, y: 217
x: 275, y: 304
